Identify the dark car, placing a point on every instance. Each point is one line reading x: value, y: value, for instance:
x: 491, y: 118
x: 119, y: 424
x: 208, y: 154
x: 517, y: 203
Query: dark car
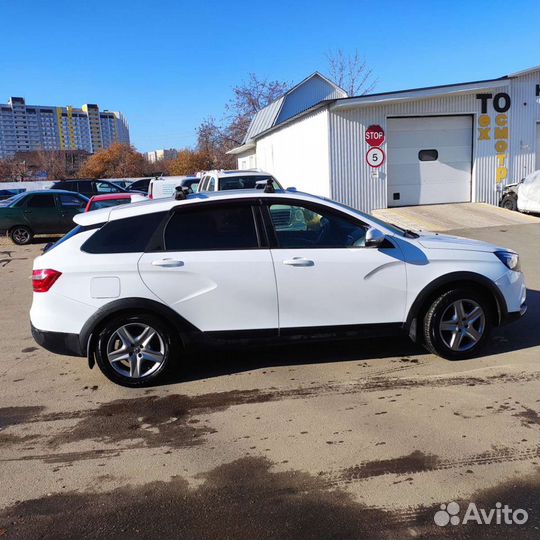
x: 48, y: 211
x: 89, y: 188
x: 140, y: 185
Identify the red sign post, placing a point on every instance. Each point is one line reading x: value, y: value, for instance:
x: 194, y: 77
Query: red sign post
x: 374, y: 135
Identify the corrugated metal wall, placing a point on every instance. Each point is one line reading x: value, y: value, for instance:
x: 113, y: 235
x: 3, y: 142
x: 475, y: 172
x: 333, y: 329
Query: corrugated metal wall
x: 351, y: 178
x: 298, y: 154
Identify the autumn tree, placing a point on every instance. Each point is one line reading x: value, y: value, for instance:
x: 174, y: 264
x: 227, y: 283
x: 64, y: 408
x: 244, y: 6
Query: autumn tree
x: 351, y: 72
x: 190, y: 162
x: 117, y: 161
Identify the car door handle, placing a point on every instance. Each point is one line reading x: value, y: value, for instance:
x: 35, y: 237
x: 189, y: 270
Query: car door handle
x: 298, y: 261
x: 168, y: 263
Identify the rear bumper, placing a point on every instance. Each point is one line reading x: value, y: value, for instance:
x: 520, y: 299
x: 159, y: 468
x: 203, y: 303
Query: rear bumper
x: 58, y: 342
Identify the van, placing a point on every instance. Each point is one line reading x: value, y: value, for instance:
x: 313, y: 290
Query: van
x: 165, y: 186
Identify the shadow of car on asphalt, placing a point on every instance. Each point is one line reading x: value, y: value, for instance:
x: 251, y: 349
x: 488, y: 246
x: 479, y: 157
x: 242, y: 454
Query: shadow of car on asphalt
x: 214, y: 362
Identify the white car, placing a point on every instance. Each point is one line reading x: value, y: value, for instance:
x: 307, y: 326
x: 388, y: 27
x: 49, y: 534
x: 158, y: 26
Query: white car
x: 166, y: 186
x: 260, y: 265
x: 236, y: 179
x: 523, y: 196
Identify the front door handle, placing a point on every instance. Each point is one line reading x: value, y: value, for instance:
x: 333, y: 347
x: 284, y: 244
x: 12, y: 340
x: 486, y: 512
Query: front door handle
x: 298, y: 261
x: 168, y: 263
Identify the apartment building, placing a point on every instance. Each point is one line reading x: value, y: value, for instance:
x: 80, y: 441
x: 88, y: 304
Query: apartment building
x: 24, y: 128
x: 158, y: 155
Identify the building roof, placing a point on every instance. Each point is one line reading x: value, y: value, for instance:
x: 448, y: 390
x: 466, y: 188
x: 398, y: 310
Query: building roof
x: 300, y: 97
x: 378, y: 98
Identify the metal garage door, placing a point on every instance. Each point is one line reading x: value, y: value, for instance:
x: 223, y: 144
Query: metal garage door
x: 429, y: 160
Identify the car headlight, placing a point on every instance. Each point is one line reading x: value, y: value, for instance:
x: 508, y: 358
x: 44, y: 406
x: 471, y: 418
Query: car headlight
x: 509, y: 259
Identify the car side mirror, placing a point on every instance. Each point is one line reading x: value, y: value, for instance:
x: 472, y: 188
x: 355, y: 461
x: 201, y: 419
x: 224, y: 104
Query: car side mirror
x: 374, y: 237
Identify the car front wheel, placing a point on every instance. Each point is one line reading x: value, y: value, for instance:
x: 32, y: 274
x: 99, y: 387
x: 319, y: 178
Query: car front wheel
x: 509, y: 202
x: 457, y: 324
x: 21, y: 235
x: 135, y: 350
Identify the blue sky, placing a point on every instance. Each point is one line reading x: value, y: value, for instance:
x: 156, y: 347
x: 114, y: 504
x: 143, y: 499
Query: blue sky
x: 168, y: 64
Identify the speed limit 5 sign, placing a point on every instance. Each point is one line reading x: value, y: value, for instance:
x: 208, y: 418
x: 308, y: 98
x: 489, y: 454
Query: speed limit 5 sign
x: 375, y: 156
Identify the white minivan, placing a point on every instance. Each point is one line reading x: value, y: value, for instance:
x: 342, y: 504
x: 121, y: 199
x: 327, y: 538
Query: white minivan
x: 166, y: 186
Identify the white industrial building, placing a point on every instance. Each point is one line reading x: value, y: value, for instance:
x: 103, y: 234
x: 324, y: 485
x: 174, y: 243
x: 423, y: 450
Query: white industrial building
x: 452, y: 143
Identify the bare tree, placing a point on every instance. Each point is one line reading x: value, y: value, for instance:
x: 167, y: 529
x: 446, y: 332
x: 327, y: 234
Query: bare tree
x: 351, y: 72
x: 248, y: 99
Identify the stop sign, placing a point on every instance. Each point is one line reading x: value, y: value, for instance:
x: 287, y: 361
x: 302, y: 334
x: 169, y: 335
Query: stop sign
x: 374, y: 135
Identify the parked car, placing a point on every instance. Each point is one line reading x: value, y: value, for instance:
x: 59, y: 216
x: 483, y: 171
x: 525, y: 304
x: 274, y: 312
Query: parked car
x: 8, y: 193
x: 89, y: 187
x: 166, y: 186
x: 260, y: 265
x: 140, y: 185
x: 46, y: 211
x: 523, y: 196
x: 242, y: 179
x: 113, y: 199
x: 124, y: 184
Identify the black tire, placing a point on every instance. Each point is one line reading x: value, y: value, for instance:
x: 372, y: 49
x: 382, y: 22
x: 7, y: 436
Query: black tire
x: 437, y: 337
x: 509, y: 201
x: 108, y: 337
x: 21, y: 235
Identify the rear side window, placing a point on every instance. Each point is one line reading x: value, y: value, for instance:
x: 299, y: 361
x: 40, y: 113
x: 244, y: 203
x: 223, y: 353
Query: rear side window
x: 41, y: 201
x: 129, y: 235
x: 212, y: 228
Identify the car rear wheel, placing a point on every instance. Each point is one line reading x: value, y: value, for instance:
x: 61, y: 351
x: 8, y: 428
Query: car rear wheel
x: 509, y: 201
x: 135, y: 350
x: 21, y: 235
x: 457, y: 324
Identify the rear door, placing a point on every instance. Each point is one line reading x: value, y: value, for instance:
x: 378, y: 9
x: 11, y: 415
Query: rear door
x: 42, y: 214
x: 214, y: 268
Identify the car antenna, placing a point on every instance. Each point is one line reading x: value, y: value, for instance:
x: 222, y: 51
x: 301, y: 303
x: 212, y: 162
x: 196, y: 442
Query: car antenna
x: 269, y: 188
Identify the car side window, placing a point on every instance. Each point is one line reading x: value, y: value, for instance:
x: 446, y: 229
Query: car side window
x: 117, y: 236
x: 106, y: 187
x: 211, y: 184
x: 71, y: 201
x: 303, y: 227
x: 40, y: 201
x: 212, y: 228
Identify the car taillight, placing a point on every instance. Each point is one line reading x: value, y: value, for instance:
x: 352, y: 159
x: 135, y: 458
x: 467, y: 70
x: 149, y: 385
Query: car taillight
x: 43, y: 280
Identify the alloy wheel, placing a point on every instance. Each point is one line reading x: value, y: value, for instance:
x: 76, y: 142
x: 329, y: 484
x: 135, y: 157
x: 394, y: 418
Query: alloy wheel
x: 462, y: 325
x: 136, y: 350
x: 21, y: 235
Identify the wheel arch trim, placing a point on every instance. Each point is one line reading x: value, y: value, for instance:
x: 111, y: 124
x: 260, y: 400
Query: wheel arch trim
x: 443, y: 282
x: 88, y: 331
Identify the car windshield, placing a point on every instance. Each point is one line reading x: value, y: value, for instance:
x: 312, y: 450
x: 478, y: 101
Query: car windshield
x: 394, y: 228
x: 246, y: 182
x: 107, y: 203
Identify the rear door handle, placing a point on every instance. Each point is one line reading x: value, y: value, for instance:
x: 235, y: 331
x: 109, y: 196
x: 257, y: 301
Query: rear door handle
x: 298, y: 261
x: 168, y: 263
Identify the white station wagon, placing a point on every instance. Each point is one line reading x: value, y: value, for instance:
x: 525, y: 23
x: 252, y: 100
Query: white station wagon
x: 131, y: 286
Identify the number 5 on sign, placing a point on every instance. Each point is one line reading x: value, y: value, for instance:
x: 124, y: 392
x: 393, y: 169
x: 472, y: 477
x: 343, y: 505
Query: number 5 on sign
x: 375, y: 157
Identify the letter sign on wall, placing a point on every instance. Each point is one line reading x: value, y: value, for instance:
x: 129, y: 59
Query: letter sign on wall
x: 374, y: 135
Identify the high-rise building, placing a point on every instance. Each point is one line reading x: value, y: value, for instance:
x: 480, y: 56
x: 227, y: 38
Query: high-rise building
x: 25, y: 128
x: 158, y: 155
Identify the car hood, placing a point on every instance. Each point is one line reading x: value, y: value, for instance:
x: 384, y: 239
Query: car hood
x: 446, y: 241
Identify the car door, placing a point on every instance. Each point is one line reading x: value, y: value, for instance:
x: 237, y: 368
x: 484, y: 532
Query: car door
x: 325, y: 275
x: 214, y: 269
x: 69, y: 205
x: 42, y: 214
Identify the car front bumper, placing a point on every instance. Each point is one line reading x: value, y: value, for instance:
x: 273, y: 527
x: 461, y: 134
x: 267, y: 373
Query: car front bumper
x: 58, y: 342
